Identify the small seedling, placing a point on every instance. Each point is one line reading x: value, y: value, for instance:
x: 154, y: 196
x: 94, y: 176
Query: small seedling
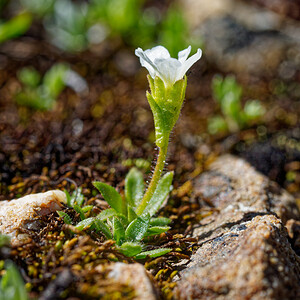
x: 132, y: 216
x: 12, y: 286
x: 41, y: 94
x: 15, y: 27
x: 227, y: 92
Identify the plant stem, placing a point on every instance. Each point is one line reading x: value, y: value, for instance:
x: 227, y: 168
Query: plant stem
x: 161, y: 160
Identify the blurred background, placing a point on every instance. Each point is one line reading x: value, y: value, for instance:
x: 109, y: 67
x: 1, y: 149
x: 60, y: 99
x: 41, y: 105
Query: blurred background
x: 72, y: 92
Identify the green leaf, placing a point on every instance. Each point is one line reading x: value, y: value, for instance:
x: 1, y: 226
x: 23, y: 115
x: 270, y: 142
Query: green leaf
x: 29, y: 76
x: 87, y: 208
x: 78, y: 197
x: 85, y: 224
x: 79, y: 210
x: 161, y: 221
x: 111, y: 196
x: 153, y: 253
x: 160, y: 194
x: 157, y: 230
x: 217, y: 124
x: 54, y: 80
x: 134, y: 187
x: 15, y: 27
x: 100, y: 226
x: 130, y: 248
x: 137, y: 229
x: 67, y: 219
x: 108, y: 213
x: 253, y: 110
x: 68, y: 197
x: 119, y: 231
x: 11, y: 284
x: 131, y: 214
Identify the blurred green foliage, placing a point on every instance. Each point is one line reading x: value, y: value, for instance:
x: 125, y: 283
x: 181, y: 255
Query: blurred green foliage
x: 41, y: 94
x: 228, y: 93
x: 15, y: 27
x: 11, y: 284
x: 75, y: 25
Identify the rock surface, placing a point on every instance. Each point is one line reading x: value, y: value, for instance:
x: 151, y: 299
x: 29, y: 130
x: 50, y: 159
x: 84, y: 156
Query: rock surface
x: 232, y: 30
x: 244, y: 249
x: 19, y: 215
x: 135, y: 276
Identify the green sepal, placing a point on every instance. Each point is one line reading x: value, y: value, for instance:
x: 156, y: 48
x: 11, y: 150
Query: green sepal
x: 79, y: 210
x: 111, y: 196
x: 131, y: 248
x: 137, y: 229
x: 154, y: 230
x: 131, y: 214
x: 162, y: 190
x: 119, y: 231
x: 101, y: 226
x: 160, y: 221
x: 67, y: 219
x: 134, y: 187
x: 160, y: 121
x: 153, y: 253
x: 85, y: 224
x: 165, y: 103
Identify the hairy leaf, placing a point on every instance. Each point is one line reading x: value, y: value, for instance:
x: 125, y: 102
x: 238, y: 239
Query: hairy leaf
x: 153, y: 253
x: 108, y: 213
x: 119, y: 231
x: 137, y: 229
x: 134, y: 187
x: 67, y: 219
x: 131, y: 214
x: 111, y: 196
x: 85, y: 224
x: 160, y: 194
x: 161, y: 221
x: 79, y: 210
x: 130, y: 248
x: 87, y: 208
x: 101, y: 226
x: 157, y: 230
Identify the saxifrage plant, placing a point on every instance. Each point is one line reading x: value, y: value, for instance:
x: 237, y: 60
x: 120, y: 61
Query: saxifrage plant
x: 132, y: 217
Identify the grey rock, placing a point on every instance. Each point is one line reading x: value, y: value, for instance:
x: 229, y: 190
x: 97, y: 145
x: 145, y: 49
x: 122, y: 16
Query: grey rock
x: 244, y: 248
x: 135, y: 276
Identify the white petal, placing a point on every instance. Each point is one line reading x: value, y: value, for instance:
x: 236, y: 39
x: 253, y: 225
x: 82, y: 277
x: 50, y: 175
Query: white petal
x: 183, y: 55
x: 146, y: 62
x: 168, y: 69
x: 188, y: 63
x: 157, y: 52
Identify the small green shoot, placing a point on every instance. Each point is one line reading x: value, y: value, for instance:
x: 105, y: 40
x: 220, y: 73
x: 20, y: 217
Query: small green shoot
x: 15, y: 27
x: 41, y: 93
x: 131, y: 216
x: 11, y: 284
x: 228, y: 93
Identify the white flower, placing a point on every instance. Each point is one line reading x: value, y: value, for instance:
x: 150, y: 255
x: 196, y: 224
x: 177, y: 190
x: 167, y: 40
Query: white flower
x: 159, y: 63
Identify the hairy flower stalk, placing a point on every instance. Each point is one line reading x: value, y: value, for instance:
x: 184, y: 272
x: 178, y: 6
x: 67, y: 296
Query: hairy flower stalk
x: 167, y: 82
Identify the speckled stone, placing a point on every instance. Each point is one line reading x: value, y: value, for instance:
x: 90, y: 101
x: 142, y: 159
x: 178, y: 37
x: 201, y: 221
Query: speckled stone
x: 244, y: 249
x: 135, y: 276
x: 19, y: 215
